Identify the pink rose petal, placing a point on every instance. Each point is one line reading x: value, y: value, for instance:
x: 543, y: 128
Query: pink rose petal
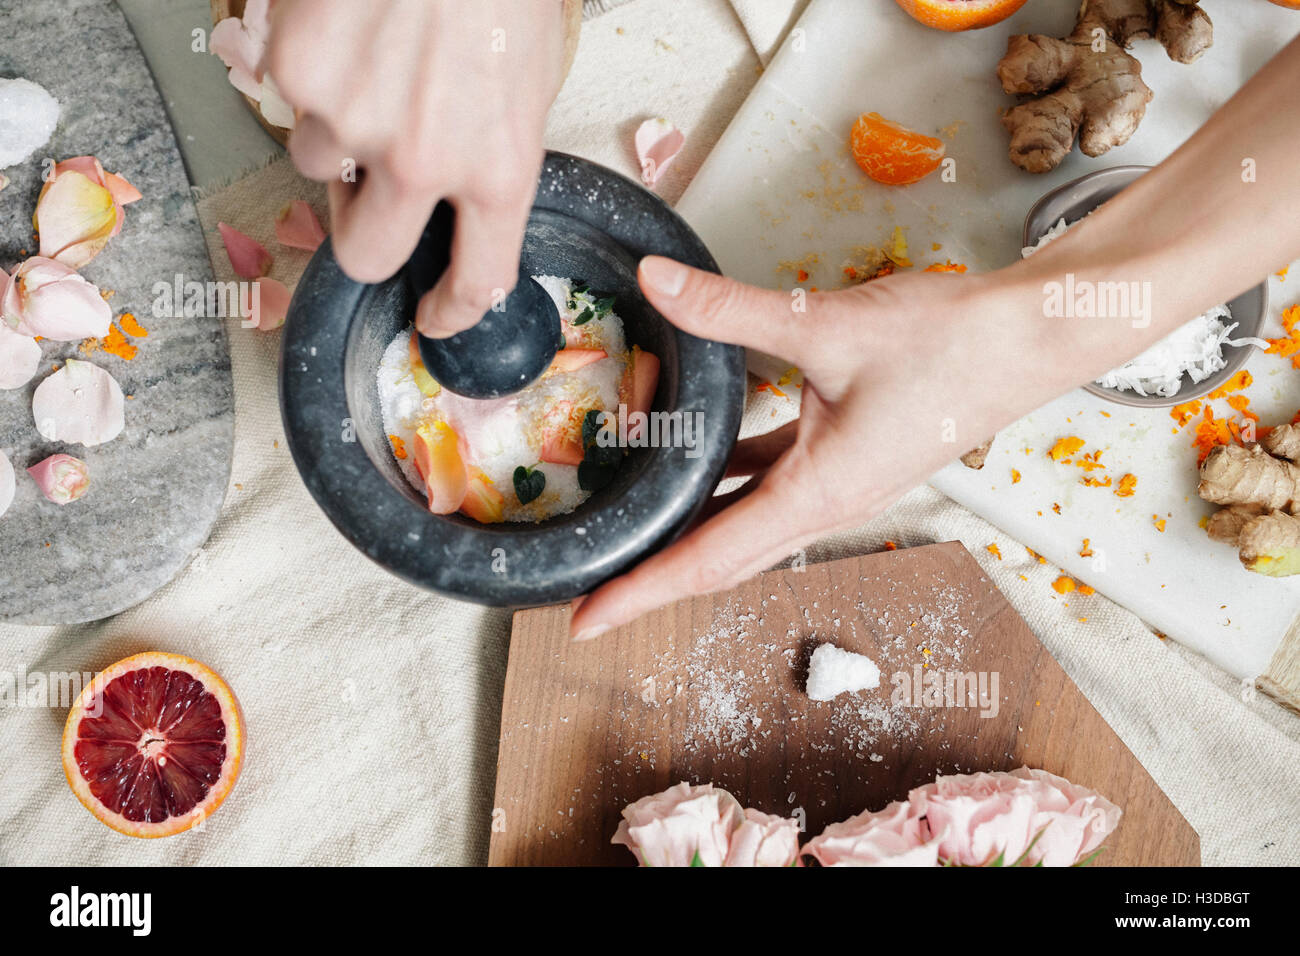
x: 61, y: 478
x: 297, y: 226
x: 88, y: 166
x: 239, y: 47
x: 248, y: 257
x: 7, y: 483
x: 49, y: 298
x: 20, y: 355
x: 657, y: 144
x: 271, y: 304
x: 276, y: 110
x: 75, y: 216
x: 79, y: 404
x: 122, y: 191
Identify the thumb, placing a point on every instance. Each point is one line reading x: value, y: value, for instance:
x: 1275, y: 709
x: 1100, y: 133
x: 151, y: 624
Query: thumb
x: 715, y: 307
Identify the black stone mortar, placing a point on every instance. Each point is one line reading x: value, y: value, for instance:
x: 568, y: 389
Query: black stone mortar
x: 587, y: 222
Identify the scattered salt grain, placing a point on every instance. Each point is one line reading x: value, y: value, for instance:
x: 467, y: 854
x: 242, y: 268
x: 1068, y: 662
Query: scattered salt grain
x: 834, y: 671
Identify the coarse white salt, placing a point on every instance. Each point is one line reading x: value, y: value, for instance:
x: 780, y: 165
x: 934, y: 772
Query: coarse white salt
x: 28, y: 115
x: 500, y: 434
x: 834, y: 671
x: 1194, y: 349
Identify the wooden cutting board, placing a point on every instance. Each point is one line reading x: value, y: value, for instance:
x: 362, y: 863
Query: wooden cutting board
x: 711, y: 690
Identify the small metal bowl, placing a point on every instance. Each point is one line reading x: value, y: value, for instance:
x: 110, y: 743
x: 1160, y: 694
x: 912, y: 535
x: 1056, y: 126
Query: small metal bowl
x: 1076, y: 199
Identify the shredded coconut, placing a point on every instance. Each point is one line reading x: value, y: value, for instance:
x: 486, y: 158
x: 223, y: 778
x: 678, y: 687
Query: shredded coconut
x: 1194, y: 349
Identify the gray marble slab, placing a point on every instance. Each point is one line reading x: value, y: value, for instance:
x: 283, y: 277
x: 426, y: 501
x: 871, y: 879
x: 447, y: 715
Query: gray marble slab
x: 157, y: 488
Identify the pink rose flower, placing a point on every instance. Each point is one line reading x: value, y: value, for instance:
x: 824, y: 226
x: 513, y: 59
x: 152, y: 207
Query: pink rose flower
x: 986, y: 817
x: 48, y: 298
x: 702, y: 826
x: 764, y: 839
x: 895, y: 836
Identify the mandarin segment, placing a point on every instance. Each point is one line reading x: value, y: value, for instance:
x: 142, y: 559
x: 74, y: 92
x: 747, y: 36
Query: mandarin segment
x: 893, y: 154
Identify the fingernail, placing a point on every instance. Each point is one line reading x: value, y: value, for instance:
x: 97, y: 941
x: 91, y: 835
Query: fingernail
x: 590, y: 633
x: 665, y: 275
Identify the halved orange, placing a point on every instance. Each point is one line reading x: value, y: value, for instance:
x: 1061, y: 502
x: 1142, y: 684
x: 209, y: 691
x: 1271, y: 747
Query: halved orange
x: 955, y: 15
x: 153, y: 744
x: 892, y: 154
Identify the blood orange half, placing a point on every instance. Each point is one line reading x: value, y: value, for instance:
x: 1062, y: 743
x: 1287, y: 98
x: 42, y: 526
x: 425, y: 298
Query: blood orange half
x: 154, y: 744
x: 956, y: 15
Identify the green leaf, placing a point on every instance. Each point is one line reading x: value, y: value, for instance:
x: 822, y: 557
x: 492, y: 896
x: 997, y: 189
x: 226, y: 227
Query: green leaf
x: 604, y: 305
x: 593, y: 476
x: 695, y: 860
x: 529, y: 483
x: 585, y: 316
x: 1020, y: 860
x: 1087, y: 860
x: 605, y: 456
x: 590, y: 427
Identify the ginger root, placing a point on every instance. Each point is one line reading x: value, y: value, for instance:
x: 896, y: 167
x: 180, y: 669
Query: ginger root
x: 1226, y: 523
x: 1261, y: 492
x: 1283, y: 441
x: 1270, y: 544
x: 1086, y: 84
x: 1237, y: 475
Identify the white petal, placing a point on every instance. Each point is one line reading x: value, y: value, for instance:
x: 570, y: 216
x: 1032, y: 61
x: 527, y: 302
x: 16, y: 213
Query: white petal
x: 79, y: 404
x: 19, y: 357
x: 6, y: 483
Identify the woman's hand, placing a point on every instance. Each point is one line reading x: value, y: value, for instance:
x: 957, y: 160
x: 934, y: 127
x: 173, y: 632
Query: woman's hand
x: 906, y: 373
x: 901, y: 376
x: 424, y: 101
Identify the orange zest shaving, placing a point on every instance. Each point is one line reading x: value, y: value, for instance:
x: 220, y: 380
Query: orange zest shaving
x: 131, y: 326
x: 399, y: 446
x: 1127, y: 485
x: 994, y: 550
x: 115, y: 343
x: 1063, y: 584
x: 948, y: 266
x: 1015, y: 477
x: 1064, y: 448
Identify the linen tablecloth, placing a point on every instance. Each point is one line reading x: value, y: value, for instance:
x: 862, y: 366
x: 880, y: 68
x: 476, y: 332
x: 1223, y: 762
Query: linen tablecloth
x: 373, y: 707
